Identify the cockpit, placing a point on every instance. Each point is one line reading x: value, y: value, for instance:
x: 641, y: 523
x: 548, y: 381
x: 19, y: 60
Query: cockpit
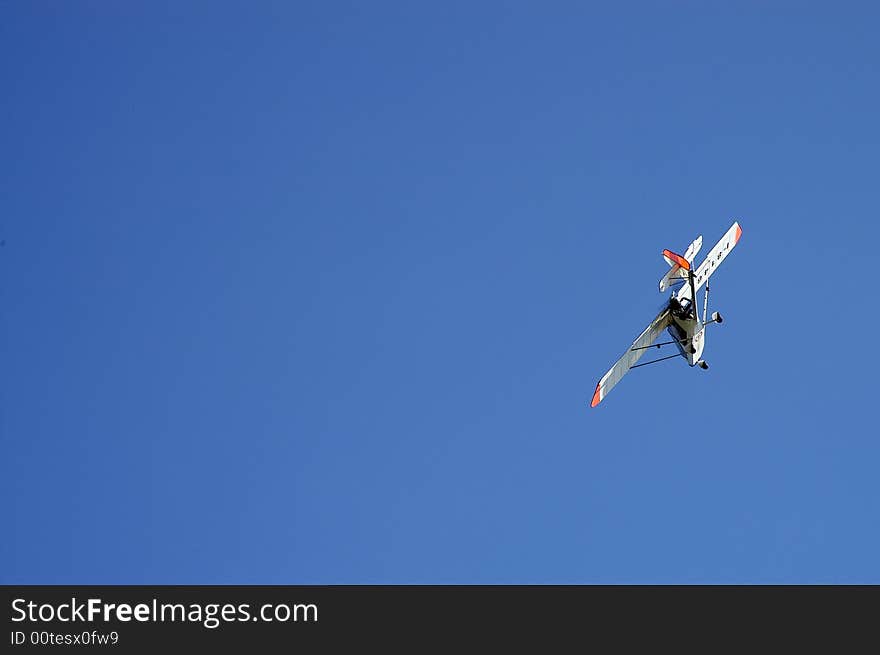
x: 683, y: 309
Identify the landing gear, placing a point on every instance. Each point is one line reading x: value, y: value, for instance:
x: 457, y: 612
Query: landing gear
x: 703, y: 364
x: 717, y: 318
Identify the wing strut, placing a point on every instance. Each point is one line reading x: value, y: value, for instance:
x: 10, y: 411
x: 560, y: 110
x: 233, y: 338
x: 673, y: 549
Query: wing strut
x: 654, y: 361
x: 706, y: 302
x: 657, y: 345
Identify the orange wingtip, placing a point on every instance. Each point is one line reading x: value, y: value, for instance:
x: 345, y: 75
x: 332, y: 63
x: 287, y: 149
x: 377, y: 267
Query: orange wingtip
x: 678, y: 259
x: 596, y: 397
x: 739, y: 232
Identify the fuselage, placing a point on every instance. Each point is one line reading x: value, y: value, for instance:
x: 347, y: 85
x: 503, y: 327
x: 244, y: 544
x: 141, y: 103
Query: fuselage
x: 686, y: 329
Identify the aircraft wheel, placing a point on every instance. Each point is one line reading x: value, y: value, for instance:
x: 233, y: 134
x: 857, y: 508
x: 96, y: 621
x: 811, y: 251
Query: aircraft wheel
x: 703, y: 364
x: 717, y: 317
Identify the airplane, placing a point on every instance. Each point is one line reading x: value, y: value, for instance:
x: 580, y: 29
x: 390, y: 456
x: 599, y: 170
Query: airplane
x: 679, y: 315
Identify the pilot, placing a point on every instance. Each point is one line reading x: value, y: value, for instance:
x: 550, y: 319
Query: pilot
x: 682, y: 308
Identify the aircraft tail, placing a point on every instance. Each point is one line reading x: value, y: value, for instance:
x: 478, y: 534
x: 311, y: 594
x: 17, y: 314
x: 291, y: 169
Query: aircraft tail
x: 679, y: 265
x: 674, y: 259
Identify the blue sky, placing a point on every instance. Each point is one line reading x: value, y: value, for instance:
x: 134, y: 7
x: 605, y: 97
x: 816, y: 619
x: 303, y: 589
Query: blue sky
x: 320, y: 292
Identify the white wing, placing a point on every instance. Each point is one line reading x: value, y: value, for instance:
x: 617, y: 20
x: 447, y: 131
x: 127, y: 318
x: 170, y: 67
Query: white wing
x: 631, y: 356
x: 712, y: 261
